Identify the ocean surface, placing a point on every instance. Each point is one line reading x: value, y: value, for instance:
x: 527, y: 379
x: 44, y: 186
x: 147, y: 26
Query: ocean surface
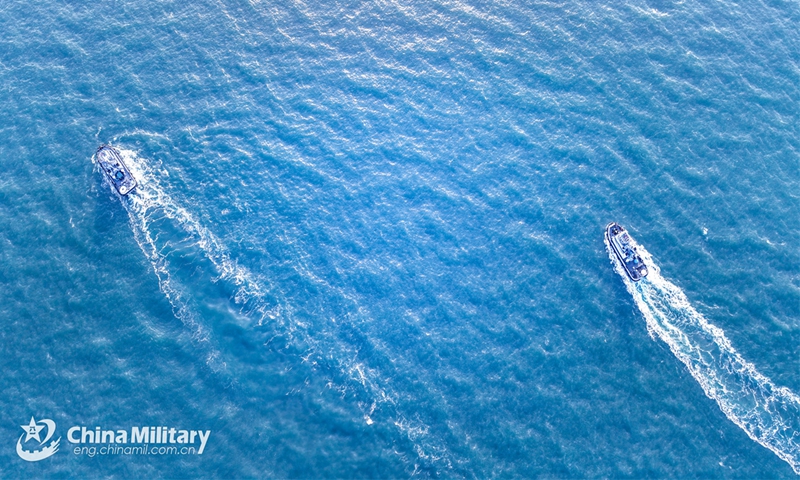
x: 367, y: 240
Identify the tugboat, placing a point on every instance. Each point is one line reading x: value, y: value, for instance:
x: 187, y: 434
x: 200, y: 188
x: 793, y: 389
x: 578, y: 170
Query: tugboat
x: 624, y: 247
x: 111, y: 163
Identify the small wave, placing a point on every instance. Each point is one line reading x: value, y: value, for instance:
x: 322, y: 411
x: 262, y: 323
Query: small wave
x: 770, y: 415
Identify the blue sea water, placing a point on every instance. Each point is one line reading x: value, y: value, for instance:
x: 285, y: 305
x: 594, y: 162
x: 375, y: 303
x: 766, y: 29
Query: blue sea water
x: 368, y: 236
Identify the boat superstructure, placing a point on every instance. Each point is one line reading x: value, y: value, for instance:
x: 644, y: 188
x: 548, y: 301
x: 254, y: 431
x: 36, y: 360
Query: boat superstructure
x: 110, y: 162
x: 624, y: 247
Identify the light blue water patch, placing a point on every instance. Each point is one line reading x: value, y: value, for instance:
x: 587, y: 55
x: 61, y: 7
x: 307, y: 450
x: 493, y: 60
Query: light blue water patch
x: 367, y: 238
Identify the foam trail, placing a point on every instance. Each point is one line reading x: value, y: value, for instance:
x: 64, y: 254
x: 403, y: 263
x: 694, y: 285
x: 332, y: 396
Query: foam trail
x: 152, y: 201
x: 140, y: 207
x: 769, y: 414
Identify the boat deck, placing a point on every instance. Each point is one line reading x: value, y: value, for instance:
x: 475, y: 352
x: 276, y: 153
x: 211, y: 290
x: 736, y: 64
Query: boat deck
x: 110, y: 162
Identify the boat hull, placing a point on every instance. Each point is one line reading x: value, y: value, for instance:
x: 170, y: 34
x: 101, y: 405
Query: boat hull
x: 111, y: 163
x: 624, y: 249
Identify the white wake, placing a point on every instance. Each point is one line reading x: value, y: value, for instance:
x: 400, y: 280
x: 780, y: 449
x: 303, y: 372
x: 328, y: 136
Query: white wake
x: 150, y: 203
x: 769, y: 414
